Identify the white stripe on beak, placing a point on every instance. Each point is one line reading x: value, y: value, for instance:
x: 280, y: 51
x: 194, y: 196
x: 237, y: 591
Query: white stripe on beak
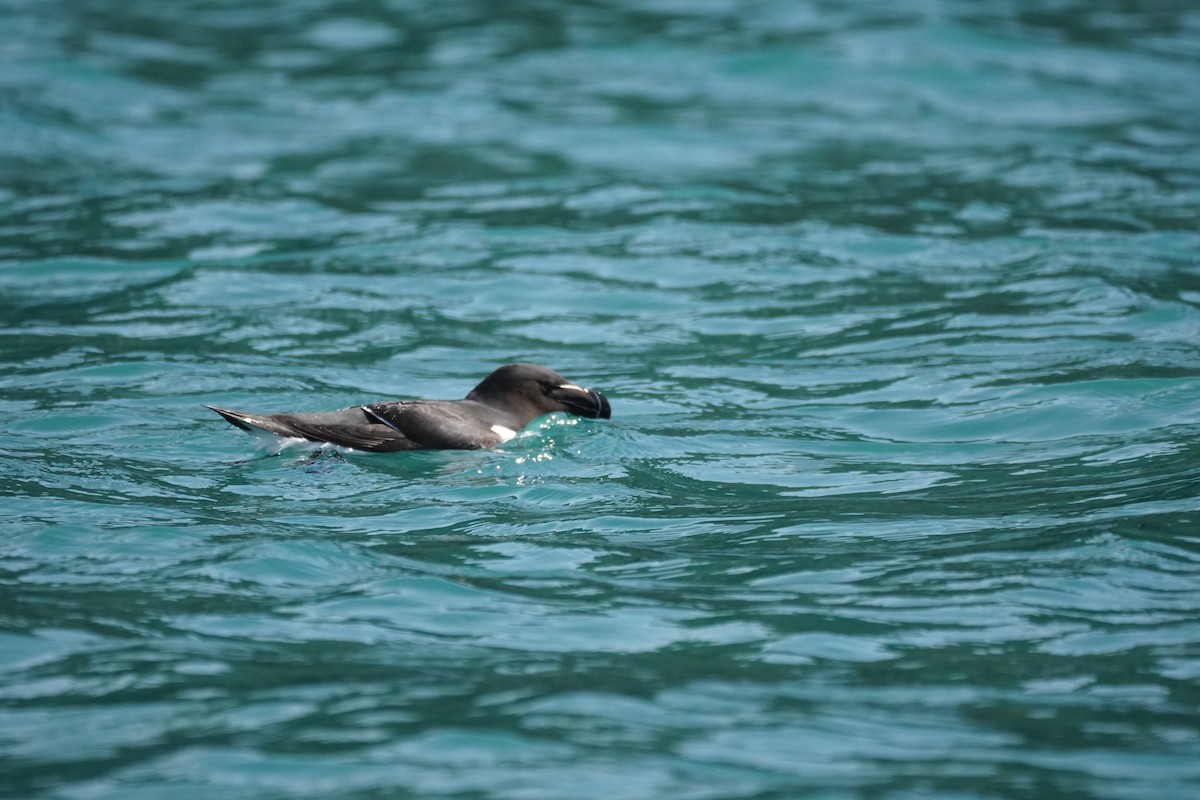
x: 572, y: 386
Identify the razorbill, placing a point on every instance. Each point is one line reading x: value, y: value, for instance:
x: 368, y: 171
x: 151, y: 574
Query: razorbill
x: 502, y: 404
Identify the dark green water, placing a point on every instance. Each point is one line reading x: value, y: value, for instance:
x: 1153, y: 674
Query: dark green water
x: 897, y: 304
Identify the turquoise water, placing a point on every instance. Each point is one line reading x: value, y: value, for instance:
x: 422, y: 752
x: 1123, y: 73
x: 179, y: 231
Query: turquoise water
x: 897, y: 305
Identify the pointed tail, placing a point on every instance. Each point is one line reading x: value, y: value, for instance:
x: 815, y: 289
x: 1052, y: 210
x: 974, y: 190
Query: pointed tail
x: 246, y: 422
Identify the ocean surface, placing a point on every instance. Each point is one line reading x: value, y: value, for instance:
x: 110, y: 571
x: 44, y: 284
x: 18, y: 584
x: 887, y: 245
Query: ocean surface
x: 897, y: 306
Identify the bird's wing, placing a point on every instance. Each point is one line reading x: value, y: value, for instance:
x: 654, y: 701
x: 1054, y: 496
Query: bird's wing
x: 350, y: 427
x: 441, y: 425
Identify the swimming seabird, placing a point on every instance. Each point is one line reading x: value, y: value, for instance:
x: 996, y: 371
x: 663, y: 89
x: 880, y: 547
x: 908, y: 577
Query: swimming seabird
x: 493, y: 412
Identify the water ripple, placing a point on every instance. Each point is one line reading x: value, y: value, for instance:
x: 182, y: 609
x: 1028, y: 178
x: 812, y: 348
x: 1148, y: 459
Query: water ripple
x: 896, y: 308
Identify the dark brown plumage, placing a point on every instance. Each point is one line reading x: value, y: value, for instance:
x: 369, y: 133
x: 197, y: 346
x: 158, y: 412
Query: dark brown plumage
x: 494, y: 411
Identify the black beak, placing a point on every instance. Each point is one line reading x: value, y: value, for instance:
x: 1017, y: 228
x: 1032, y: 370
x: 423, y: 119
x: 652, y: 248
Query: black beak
x: 583, y: 402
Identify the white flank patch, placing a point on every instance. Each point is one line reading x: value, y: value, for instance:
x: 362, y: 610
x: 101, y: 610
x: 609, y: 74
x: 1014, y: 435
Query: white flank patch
x: 285, y: 444
x: 504, y: 433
